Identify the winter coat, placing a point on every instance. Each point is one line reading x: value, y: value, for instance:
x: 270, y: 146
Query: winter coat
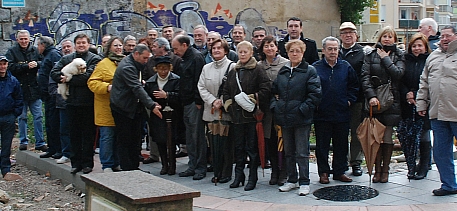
x: 208, y: 86
x: 191, y: 67
x: 339, y: 87
x: 297, y: 94
x: 98, y: 83
x: 272, y: 72
x: 10, y: 96
x: 80, y: 94
x: 18, y: 60
x: 149, y: 67
x: 50, y: 57
x: 310, y: 54
x: 377, y: 71
x: 414, y: 65
x: 355, y: 58
x: 438, y: 85
x: 253, y: 80
x: 128, y: 96
x: 159, y: 126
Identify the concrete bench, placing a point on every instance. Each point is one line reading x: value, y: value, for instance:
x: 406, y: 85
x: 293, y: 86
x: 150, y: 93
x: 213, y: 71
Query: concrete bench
x: 135, y: 190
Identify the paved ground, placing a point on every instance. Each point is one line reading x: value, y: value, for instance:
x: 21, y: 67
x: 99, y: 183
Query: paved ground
x: 398, y: 194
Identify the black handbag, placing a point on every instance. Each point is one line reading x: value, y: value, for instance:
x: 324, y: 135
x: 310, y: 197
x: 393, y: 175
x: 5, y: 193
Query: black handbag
x: 385, y: 98
x: 224, y: 79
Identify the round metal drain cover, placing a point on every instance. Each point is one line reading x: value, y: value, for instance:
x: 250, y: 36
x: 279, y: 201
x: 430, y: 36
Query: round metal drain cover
x: 346, y: 193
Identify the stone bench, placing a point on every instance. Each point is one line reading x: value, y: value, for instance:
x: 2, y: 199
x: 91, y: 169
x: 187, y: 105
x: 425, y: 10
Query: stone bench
x: 135, y: 190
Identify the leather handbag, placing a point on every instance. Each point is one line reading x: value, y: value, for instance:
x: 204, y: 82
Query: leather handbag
x: 385, y: 98
x: 242, y: 99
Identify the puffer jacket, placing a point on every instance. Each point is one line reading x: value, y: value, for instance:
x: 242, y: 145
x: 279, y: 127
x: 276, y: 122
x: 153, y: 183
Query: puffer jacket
x: 18, y: 60
x: 98, y: 83
x: 253, y: 79
x: 10, y: 96
x: 438, y: 85
x: 298, y: 92
x: 339, y: 85
x: 377, y: 71
x: 80, y: 94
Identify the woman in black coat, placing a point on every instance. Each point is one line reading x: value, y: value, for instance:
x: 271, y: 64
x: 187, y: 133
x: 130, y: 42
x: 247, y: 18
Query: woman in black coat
x: 384, y: 64
x: 418, y: 51
x: 163, y: 88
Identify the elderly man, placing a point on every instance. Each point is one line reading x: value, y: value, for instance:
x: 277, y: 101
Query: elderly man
x: 212, y: 35
x: 352, y: 52
x: 152, y: 35
x: 436, y: 96
x: 238, y: 35
x: 429, y: 28
x: 80, y: 105
x: 257, y: 36
x: 129, y: 44
x: 200, y: 34
x: 340, y: 88
x: 67, y: 47
x: 167, y: 32
x: 51, y: 57
x: 191, y: 67
x: 105, y: 39
x: 128, y: 100
x: 294, y: 29
x: 24, y: 64
x: 10, y: 108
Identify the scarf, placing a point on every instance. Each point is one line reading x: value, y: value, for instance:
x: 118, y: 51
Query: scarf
x: 116, y: 58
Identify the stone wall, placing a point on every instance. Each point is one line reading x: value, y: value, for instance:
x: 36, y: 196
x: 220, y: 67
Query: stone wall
x: 66, y: 18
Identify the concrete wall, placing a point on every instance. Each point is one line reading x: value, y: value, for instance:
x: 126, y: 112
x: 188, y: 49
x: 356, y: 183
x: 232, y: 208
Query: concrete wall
x: 66, y: 18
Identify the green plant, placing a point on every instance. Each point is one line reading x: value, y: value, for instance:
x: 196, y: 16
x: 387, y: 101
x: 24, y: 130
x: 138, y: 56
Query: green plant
x: 351, y: 10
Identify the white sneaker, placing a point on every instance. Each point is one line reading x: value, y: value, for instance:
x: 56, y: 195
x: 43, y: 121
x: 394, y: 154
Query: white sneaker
x: 304, y: 190
x: 107, y: 170
x: 288, y: 186
x: 63, y: 160
x: 97, y: 150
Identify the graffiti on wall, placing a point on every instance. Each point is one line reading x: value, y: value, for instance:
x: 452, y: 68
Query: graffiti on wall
x: 67, y: 20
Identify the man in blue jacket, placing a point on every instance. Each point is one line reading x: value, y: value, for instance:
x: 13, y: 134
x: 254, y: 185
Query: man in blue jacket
x: 331, y: 120
x: 10, y: 108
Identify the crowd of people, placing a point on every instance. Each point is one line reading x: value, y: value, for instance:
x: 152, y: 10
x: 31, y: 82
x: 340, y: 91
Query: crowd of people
x: 204, y: 95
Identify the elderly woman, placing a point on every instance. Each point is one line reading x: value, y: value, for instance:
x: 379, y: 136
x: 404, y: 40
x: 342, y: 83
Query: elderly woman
x: 100, y: 82
x: 297, y: 92
x: 271, y: 61
x: 163, y: 88
x: 249, y: 78
x: 211, y: 79
x: 382, y: 65
x: 418, y: 51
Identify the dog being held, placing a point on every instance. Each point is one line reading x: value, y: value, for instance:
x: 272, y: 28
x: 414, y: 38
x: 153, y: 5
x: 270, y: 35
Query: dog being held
x: 76, y: 67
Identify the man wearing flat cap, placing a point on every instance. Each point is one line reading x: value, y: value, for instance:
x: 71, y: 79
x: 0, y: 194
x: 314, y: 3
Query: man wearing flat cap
x: 352, y: 52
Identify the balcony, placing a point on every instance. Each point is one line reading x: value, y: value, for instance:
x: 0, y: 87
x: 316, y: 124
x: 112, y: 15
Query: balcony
x: 410, y: 1
x: 408, y: 24
x: 444, y: 8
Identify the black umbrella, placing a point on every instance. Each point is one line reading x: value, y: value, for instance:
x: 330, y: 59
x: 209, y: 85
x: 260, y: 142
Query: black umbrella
x: 408, y: 132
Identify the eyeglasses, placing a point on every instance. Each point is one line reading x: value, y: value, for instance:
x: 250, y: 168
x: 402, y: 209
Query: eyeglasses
x: 330, y: 49
x: 347, y: 32
x: 446, y: 36
x: 295, y: 51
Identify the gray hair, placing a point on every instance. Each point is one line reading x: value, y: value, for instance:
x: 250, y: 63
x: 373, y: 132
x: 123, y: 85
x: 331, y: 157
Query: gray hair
x: 162, y: 42
x: 67, y: 40
x: 217, y: 33
x: 179, y: 31
x: 201, y: 27
x: 329, y: 38
x: 140, y: 48
x: 46, y: 41
x: 22, y: 32
x: 430, y: 22
x: 128, y: 38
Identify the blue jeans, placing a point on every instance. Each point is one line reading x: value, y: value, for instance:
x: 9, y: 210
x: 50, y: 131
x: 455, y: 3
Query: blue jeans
x: 108, y: 150
x: 37, y: 113
x: 443, y: 141
x: 195, y: 138
x: 7, y: 129
x: 296, y: 147
x: 64, y: 132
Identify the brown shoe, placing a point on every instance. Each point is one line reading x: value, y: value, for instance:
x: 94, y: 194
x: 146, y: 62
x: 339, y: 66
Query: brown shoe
x: 342, y: 178
x: 323, y: 178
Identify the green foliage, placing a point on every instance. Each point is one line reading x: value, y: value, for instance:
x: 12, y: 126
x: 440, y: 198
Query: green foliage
x: 351, y: 10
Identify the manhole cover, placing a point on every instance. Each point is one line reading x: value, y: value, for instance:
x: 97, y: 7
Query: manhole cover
x: 346, y: 193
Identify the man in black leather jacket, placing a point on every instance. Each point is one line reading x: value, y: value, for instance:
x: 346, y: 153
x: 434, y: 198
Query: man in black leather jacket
x: 80, y: 105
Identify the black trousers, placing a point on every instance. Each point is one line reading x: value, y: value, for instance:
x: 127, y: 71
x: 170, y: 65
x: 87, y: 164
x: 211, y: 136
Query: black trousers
x: 128, y: 132
x: 82, y: 136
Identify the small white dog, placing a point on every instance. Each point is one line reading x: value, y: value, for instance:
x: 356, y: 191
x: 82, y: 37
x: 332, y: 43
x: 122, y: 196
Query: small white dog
x: 76, y: 67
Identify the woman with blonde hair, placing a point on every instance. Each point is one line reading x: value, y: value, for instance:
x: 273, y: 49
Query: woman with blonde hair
x: 383, y: 65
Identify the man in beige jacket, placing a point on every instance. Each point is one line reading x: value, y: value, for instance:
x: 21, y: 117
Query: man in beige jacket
x: 436, y: 94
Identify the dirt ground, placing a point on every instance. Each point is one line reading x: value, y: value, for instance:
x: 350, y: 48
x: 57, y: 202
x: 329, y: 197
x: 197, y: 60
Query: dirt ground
x: 37, y: 191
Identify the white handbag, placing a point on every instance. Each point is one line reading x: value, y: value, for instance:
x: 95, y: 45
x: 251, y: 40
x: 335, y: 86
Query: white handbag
x: 242, y: 98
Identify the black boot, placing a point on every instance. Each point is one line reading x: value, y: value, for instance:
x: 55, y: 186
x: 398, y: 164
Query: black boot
x: 163, y: 158
x: 239, y: 174
x: 425, y: 156
x: 252, y: 181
